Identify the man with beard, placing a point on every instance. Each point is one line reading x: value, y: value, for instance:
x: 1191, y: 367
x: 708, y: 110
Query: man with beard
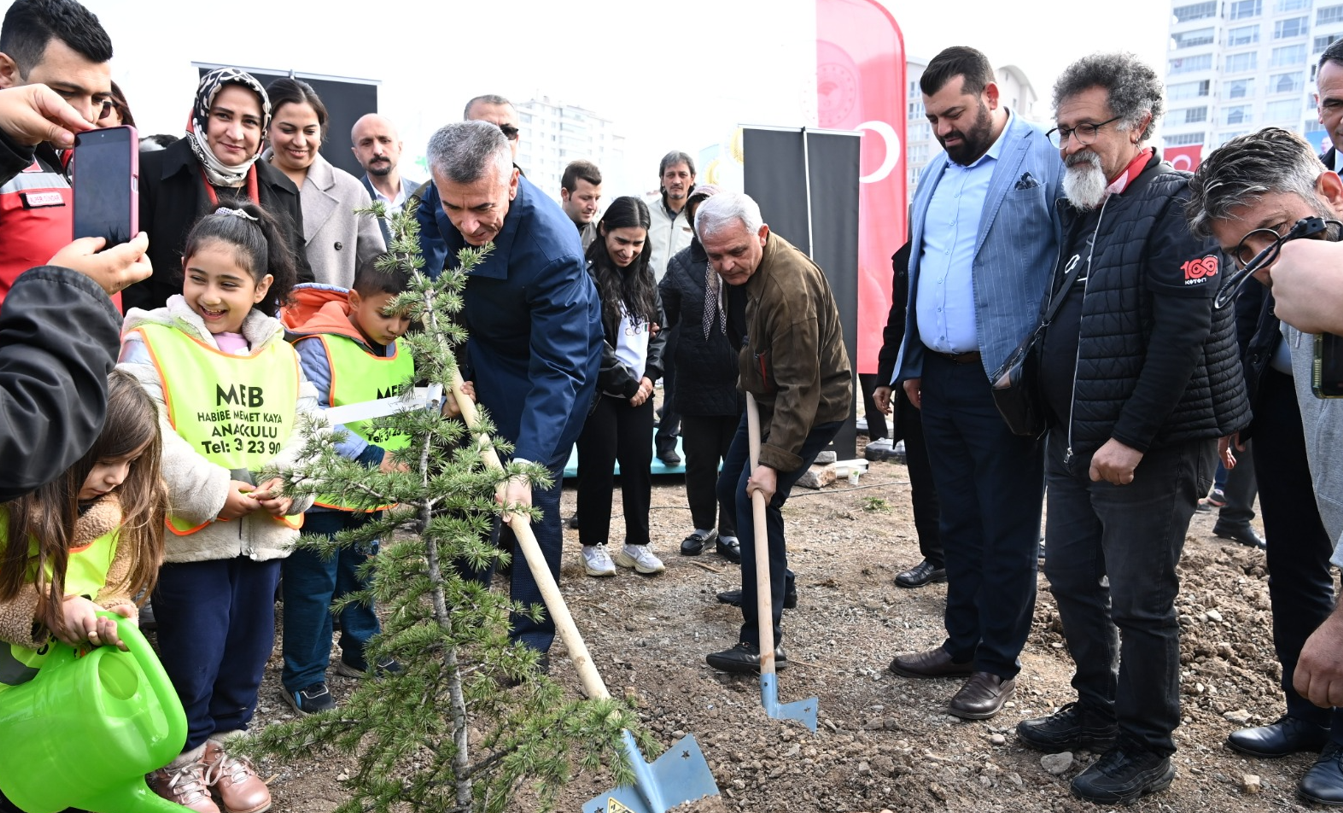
x: 1141, y: 376
x: 580, y: 192
x: 1273, y: 178
x: 668, y: 233
x: 983, y: 240
x: 378, y: 148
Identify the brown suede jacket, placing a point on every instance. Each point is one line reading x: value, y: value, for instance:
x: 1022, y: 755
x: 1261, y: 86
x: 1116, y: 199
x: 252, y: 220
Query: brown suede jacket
x: 18, y: 624
x: 794, y: 363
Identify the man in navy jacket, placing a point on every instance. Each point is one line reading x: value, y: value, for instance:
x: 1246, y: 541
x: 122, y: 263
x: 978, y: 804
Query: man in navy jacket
x: 533, y: 316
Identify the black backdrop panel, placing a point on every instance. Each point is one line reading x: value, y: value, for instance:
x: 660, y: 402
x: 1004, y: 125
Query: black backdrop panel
x: 776, y: 175
x: 346, y: 101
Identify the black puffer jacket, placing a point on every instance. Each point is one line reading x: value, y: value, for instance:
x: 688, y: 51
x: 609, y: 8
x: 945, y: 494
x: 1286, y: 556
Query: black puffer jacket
x: 617, y: 379
x: 1156, y: 363
x: 706, y: 369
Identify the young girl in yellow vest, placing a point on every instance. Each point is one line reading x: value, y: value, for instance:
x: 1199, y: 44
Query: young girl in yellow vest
x: 84, y: 543
x: 350, y: 348
x: 231, y: 391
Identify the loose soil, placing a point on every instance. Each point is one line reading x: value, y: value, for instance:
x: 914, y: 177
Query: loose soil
x: 884, y: 742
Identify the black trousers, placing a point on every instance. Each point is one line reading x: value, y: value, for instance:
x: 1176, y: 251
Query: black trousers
x: 1241, y: 486
x: 705, y: 440
x: 615, y: 431
x: 1300, y: 586
x: 669, y: 425
x: 922, y: 489
x: 876, y: 419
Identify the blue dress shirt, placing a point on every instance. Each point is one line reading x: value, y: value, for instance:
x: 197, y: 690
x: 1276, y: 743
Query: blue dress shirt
x: 945, y: 305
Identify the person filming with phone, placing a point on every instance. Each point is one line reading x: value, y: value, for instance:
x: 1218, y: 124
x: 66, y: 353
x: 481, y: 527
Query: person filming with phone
x: 1253, y: 195
x: 59, y: 331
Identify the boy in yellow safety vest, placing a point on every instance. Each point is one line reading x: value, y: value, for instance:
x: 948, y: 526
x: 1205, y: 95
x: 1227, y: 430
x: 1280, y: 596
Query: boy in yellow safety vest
x: 350, y: 348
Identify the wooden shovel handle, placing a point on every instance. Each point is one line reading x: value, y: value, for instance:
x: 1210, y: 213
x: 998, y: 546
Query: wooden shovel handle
x: 536, y: 561
x: 763, y: 601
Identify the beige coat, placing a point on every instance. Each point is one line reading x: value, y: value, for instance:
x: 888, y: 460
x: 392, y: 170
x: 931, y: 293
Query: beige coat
x: 336, y: 238
x: 197, y: 488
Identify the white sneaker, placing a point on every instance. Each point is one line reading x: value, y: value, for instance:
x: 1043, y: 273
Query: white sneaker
x: 641, y: 558
x: 597, y: 561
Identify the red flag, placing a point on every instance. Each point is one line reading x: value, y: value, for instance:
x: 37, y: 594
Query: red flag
x: 860, y: 85
x: 1185, y: 158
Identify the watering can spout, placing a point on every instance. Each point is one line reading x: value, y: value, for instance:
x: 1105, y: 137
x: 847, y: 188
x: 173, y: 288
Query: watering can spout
x: 133, y: 797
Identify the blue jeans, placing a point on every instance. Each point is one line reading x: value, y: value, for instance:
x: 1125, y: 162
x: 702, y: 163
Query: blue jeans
x: 1111, y: 567
x: 732, y: 486
x: 310, y: 585
x: 990, y: 487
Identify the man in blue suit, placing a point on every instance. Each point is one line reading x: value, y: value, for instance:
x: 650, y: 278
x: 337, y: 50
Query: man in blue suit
x: 533, y: 317
x: 983, y: 241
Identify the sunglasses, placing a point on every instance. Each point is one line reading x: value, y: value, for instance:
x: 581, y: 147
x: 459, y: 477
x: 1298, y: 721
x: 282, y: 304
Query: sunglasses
x: 510, y: 132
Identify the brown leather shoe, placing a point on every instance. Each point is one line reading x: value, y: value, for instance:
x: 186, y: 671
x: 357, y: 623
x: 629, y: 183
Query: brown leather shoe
x: 934, y: 663
x: 184, y: 785
x: 982, y: 696
x: 241, y: 790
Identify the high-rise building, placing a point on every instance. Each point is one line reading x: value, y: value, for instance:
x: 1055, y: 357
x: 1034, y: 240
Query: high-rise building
x: 1235, y: 66
x: 1014, y: 90
x: 553, y: 134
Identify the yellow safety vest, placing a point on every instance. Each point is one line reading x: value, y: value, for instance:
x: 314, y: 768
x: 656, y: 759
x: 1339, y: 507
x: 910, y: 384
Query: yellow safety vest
x: 357, y: 376
x: 85, y: 575
x: 235, y: 411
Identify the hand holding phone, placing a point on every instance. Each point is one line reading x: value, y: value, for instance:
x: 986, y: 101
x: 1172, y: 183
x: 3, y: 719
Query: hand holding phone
x: 106, y: 184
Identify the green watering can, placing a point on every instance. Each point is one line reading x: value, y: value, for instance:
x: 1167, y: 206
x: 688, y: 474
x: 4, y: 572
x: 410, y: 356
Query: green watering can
x: 84, y: 732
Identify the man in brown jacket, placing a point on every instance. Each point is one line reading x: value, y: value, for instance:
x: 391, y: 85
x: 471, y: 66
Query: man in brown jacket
x: 781, y: 313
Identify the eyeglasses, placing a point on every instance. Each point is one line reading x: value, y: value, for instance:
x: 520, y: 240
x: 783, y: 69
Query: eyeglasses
x: 510, y: 132
x: 1312, y: 227
x: 1084, y: 133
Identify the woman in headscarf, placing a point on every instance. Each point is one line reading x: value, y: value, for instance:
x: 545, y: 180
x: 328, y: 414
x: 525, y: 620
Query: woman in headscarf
x: 336, y: 239
x: 217, y: 162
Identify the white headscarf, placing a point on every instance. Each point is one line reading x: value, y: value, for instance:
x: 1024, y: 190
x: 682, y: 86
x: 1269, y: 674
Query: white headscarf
x: 211, y: 83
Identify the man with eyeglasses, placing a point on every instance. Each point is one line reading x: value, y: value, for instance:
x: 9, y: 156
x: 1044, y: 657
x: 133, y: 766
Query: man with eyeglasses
x: 60, y: 44
x: 1247, y: 195
x: 984, y: 236
x: 1140, y: 374
x: 497, y: 111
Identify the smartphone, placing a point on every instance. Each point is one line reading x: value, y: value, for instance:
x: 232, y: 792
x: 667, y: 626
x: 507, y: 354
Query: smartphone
x: 1327, y: 378
x: 107, y: 184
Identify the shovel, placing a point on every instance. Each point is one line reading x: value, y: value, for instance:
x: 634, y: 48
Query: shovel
x: 803, y: 711
x: 678, y: 776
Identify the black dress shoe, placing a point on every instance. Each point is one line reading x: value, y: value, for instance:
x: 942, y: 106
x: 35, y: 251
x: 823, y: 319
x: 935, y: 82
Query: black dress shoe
x: 921, y: 574
x: 1242, y: 534
x: 733, y: 597
x: 693, y: 545
x: 730, y: 550
x: 1071, y: 728
x: 744, y: 659
x: 982, y: 696
x: 1124, y: 774
x: 1289, y: 735
x: 1323, y: 783
x: 669, y: 457
x: 572, y: 522
x: 933, y: 663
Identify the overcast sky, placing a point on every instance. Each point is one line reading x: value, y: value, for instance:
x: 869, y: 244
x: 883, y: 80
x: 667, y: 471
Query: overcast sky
x: 672, y: 75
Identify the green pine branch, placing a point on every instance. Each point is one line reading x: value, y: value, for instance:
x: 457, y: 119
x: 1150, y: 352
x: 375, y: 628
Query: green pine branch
x: 450, y: 731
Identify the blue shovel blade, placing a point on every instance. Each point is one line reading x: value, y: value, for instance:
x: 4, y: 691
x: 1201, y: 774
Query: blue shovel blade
x: 680, y: 775
x: 804, y: 711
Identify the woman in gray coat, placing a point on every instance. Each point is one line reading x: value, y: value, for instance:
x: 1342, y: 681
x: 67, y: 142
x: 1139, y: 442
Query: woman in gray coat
x: 335, y: 238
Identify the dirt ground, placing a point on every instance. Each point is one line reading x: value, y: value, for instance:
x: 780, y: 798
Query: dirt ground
x: 884, y: 742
